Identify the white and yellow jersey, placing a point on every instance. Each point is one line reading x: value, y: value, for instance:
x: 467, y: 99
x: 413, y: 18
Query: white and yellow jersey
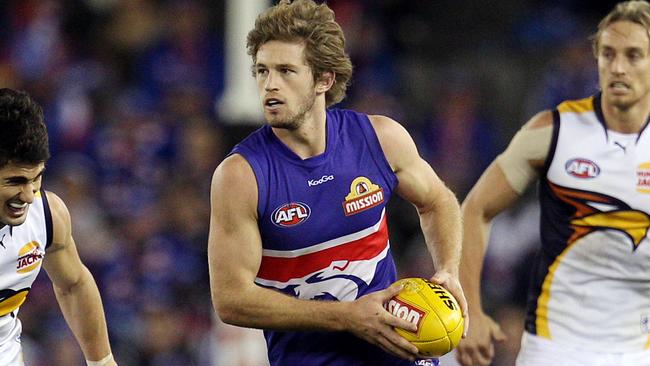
x: 22, y: 249
x: 591, y: 283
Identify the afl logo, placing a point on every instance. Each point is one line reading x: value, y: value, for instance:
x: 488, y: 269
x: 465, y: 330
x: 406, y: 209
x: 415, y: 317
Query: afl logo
x: 291, y: 214
x: 582, y: 168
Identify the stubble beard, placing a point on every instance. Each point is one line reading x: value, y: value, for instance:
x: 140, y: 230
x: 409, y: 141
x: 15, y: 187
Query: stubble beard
x: 295, y: 121
x: 623, y: 103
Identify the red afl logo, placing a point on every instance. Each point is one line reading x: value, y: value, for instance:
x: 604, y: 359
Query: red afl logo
x: 291, y: 214
x: 582, y: 168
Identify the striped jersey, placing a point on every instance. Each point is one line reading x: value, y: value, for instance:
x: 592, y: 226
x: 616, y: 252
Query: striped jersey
x: 324, y: 232
x: 22, y: 249
x: 591, y: 284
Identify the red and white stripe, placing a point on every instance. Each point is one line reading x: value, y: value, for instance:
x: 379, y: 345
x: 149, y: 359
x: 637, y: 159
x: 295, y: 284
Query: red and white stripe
x: 354, y: 254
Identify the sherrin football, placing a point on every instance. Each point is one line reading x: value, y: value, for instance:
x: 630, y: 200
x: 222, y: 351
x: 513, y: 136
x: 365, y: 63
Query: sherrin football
x: 434, y: 310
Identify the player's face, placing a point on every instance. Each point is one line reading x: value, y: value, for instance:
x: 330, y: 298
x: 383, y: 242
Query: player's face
x: 285, y: 84
x: 18, y: 185
x: 624, y: 64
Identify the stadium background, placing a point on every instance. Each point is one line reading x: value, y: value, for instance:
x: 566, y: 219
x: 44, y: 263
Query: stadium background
x: 129, y: 89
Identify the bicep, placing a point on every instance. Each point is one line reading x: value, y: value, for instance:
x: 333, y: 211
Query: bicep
x: 418, y: 183
x: 508, y: 177
x: 63, y: 266
x: 527, y: 152
x: 234, y: 243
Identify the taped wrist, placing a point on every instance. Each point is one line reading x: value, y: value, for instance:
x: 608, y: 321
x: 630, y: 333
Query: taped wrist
x: 103, y: 362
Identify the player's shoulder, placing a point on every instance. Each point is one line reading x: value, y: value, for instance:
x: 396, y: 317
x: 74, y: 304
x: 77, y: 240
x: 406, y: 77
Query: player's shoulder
x: 396, y: 143
x: 540, y: 120
x: 61, y: 220
x: 387, y: 128
x: 378, y: 120
x: 57, y: 206
x: 235, y: 172
x: 234, y: 187
x: 546, y: 118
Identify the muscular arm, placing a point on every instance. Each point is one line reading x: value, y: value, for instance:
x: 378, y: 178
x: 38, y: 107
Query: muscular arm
x: 436, y: 205
x: 74, y: 287
x: 499, y: 187
x: 235, y: 254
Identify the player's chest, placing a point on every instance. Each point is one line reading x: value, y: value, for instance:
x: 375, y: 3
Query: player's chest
x: 315, y: 206
x: 21, y: 257
x: 617, y: 166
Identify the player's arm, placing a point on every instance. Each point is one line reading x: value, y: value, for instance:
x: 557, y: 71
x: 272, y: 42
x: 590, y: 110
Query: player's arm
x: 500, y: 186
x: 75, y: 288
x: 234, y: 258
x: 436, y: 205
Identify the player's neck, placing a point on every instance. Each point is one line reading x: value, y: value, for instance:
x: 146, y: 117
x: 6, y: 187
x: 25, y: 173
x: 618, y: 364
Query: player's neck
x: 310, y: 139
x: 627, y: 120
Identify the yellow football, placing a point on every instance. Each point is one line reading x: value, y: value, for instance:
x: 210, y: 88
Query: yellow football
x: 434, y: 310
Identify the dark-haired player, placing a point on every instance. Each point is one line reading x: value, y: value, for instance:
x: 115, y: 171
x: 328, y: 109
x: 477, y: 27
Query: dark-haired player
x: 35, y: 231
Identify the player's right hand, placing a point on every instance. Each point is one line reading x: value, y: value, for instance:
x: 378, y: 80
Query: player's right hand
x: 368, y: 319
x: 477, y: 349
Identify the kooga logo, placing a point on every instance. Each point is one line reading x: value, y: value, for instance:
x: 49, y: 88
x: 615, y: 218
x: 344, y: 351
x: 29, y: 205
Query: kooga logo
x: 323, y: 179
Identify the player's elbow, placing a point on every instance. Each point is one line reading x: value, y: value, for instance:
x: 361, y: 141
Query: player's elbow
x: 64, y: 286
x: 226, y: 314
x: 227, y: 308
x: 443, y: 201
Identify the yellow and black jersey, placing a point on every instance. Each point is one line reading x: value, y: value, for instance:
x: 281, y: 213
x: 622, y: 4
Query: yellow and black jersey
x: 591, y: 282
x: 22, y: 249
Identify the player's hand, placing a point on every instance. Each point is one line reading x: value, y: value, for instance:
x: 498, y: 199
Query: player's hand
x: 451, y: 283
x: 477, y: 349
x: 368, y: 319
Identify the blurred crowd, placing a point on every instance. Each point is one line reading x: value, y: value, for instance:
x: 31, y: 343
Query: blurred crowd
x: 129, y: 89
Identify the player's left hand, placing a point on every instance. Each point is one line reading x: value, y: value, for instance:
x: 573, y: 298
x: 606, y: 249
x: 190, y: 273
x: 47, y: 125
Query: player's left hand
x: 452, y: 284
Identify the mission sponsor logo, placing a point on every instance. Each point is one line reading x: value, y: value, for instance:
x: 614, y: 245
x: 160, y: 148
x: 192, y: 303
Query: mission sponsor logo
x: 582, y: 168
x: 291, y: 214
x: 29, y: 257
x: 363, y: 196
x: 643, y: 178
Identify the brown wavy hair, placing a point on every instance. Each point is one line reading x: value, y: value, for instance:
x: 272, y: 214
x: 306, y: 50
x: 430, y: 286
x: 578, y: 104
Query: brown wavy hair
x: 633, y: 11
x: 314, y: 25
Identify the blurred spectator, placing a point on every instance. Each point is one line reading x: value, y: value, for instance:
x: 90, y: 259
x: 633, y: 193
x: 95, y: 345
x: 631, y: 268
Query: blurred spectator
x: 459, y: 142
x: 570, y: 74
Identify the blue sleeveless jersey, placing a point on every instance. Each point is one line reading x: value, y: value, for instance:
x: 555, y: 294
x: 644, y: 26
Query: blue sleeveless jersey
x: 324, y: 234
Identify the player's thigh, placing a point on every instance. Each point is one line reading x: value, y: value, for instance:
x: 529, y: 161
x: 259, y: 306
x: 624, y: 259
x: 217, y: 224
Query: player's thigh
x: 537, y: 351
x: 11, y: 352
x: 636, y: 359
